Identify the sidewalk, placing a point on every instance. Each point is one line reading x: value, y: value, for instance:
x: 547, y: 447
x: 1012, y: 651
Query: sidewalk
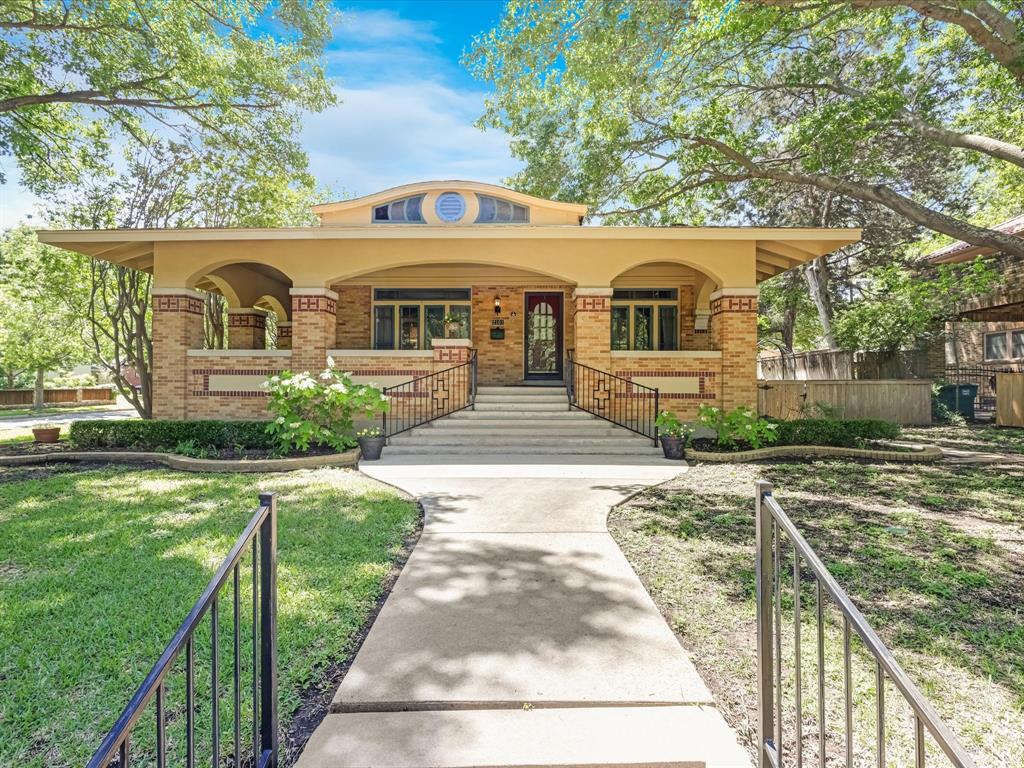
x: 518, y: 634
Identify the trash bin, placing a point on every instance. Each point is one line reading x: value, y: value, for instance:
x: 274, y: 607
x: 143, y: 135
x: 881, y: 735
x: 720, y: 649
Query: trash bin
x: 959, y: 398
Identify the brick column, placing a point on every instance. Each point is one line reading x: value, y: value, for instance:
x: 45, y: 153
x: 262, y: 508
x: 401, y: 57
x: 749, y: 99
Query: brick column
x: 592, y: 319
x: 284, y: 334
x: 314, y: 314
x: 247, y: 328
x: 734, y: 333
x: 177, y: 328
x: 451, y: 352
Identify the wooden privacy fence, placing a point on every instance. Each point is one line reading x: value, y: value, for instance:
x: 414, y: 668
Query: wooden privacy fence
x: 1010, y: 399
x: 904, y: 401
x: 19, y: 398
x: 841, y: 364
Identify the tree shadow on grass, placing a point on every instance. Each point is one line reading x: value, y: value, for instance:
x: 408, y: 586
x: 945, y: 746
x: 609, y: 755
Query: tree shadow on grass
x: 923, y: 583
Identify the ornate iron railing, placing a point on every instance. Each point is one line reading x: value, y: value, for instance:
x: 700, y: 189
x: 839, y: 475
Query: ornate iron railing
x: 259, y: 538
x: 612, y: 398
x: 773, y: 528
x: 423, y: 399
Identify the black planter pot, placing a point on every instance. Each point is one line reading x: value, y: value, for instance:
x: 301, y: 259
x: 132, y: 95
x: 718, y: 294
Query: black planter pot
x: 673, y: 447
x: 371, y: 447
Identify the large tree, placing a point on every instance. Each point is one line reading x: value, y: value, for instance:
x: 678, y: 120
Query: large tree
x: 662, y: 110
x: 75, y: 74
x: 37, y: 333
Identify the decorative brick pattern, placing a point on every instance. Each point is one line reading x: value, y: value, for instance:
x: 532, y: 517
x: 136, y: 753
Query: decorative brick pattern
x: 284, y: 335
x: 705, y: 372
x: 353, y: 328
x: 206, y: 401
x: 247, y: 330
x: 303, y: 303
x: 592, y: 320
x: 184, y: 303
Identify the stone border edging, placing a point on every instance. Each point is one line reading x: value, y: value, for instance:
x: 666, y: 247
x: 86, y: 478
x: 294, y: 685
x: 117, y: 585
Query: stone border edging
x: 187, y: 463
x: 923, y: 454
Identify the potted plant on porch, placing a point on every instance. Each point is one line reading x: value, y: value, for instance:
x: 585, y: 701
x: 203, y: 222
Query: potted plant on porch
x: 371, y: 442
x: 453, y: 325
x: 673, y: 434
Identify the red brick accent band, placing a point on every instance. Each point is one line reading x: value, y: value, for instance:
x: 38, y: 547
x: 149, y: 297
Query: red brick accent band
x: 593, y: 304
x: 314, y: 304
x: 734, y: 304
x: 186, y: 304
x: 383, y: 372
x: 254, y: 320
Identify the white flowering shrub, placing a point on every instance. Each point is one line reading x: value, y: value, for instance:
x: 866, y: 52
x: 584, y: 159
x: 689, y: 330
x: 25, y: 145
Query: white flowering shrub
x: 319, y: 410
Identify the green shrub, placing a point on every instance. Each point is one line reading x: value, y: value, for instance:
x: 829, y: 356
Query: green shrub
x: 168, y: 435
x: 738, y: 428
x: 843, y: 433
x: 319, y: 410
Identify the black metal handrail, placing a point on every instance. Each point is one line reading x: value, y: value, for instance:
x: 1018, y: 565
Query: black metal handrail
x: 259, y: 536
x: 425, y: 398
x: 773, y: 529
x: 613, y: 398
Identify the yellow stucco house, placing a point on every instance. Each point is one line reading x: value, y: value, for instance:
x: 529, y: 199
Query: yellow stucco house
x: 380, y: 280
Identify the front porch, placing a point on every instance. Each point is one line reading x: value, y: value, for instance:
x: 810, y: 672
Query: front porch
x: 378, y: 284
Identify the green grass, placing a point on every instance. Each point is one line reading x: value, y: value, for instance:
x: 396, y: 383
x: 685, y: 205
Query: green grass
x: 985, y: 438
x: 932, y: 555
x: 98, y: 567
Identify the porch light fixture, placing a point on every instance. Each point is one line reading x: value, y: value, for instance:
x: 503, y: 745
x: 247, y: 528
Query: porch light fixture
x: 497, y: 304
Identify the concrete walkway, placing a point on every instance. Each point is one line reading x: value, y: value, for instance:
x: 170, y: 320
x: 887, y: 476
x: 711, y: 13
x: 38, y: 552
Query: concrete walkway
x: 518, y: 634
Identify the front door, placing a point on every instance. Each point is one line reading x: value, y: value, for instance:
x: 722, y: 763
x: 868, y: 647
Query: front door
x: 543, y: 336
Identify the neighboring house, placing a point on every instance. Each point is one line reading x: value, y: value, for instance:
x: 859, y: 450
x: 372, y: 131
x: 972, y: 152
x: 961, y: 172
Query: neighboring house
x: 376, y: 284
x: 990, y: 332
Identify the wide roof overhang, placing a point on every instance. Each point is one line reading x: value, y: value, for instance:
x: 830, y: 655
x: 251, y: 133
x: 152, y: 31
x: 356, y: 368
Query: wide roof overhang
x: 778, y: 248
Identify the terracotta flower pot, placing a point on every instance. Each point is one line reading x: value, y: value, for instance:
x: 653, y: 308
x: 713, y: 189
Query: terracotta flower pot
x: 46, y: 434
x: 673, y: 447
x: 371, y: 447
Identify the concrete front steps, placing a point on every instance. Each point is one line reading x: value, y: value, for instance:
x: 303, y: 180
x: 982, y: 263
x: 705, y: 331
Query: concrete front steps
x: 686, y: 736
x: 521, y: 421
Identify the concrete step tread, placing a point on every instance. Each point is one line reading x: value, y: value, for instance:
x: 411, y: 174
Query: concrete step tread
x: 540, y: 450
x: 688, y: 736
x: 522, y: 429
x: 510, y: 415
x: 560, y: 405
x: 526, y: 391
x: 443, y: 438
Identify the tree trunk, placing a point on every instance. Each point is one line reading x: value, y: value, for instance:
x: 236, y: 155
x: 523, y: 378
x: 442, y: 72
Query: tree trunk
x: 37, y: 396
x: 817, y: 275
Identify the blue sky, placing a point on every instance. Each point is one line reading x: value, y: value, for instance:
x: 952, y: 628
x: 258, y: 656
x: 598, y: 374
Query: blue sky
x: 406, y: 104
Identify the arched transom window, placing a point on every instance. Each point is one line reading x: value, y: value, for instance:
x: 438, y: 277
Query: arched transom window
x: 408, y: 209
x: 495, y: 210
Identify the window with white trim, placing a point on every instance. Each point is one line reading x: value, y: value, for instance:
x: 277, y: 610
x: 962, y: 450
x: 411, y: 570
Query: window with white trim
x: 411, y: 318
x: 645, y: 319
x: 1005, y: 345
x: 408, y: 210
x: 494, y: 210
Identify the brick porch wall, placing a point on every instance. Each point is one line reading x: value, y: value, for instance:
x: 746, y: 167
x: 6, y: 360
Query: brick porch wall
x: 684, y: 382
x: 177, y: 327
x: 224, y: 386
x: 734, y: 333
x: 353, y: 320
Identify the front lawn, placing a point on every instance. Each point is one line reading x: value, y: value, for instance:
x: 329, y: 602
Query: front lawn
x: 932, y: 554
x: 99, y: 566
x: 985, y: 438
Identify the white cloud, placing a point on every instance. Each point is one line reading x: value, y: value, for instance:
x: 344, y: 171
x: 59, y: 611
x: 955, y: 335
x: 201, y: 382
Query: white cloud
x: 383, y: 136
x: 376, y: 25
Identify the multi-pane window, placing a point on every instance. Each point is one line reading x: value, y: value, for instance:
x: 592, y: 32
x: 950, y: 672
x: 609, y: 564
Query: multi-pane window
x: 406, y: 210
x: 645, y: 319
x: 494, y: 210
x: 1004, y: 345
x: 410, y: 318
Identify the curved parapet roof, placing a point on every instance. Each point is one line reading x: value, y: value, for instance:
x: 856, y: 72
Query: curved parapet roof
x: 450, y: 203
